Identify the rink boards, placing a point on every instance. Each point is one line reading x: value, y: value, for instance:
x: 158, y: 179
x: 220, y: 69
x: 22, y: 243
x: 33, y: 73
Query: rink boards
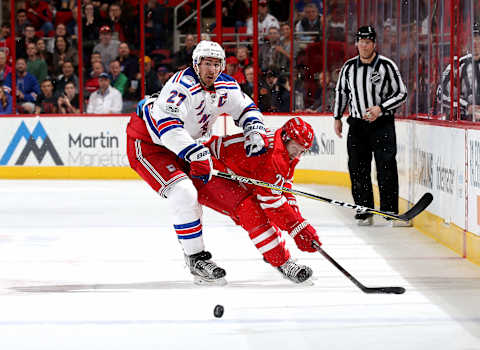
x: 443, y: 160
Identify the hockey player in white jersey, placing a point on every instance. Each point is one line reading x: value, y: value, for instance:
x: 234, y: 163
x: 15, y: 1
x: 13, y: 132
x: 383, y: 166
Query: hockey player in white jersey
x: 162, y: 146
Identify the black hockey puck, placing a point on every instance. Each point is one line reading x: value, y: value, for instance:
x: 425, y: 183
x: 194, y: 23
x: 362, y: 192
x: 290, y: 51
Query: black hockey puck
x: 218, y: 311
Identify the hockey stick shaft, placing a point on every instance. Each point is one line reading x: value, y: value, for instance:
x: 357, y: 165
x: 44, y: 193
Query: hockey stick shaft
x: 363, y: 288
x: 410, y: 214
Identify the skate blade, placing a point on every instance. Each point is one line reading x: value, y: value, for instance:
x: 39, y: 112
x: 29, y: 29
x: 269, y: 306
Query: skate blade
x: 307, y: 283
x: 200, y: 281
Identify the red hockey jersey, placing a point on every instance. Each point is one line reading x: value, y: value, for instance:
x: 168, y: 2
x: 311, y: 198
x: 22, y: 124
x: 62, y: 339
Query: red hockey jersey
x: 274, y: 166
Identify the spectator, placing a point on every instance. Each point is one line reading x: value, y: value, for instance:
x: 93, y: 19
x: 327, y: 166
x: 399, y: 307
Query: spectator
x: 247, y: 87
x: 67, y: 76
x: 232, y: 70
x: 106, y: 99
x: 151, y: 81
x: 61, y: 30
x: 323, y: 79
x: 469, y: 81
x: 27, y: 37
x: 46, y: 102
x: 63, y: 52
x: 299, y: 91
x: 21, y: 22
x: 241, y: 54
x: 92, y: 84
x: 119, y: 80
x: 36, y: 65
x: 155, y: 34
x: 272, y: 54
x: 183, y: 57
x: 336, y: 23
x: 40, y: 16
x: 286, y: 41
x: 5, y: 102
x: 128, y: 62
x: 65, y: 4
x: 94, y: 57
x: 163, y: 74
x: 235, y: 13
x: 6, y: 41
x: 4, y: 67
x: 90, y: 23
x: 45, y: 55
x: 27, y: 89
x: 281, y: 95
x: 107, y: 47
x: 116, y: 23
x: 265, y: 21
x: 301, y: 4
x: 312, y: 22
x: 279, y: 10
x: 68, y: 101
x: 266, y: 90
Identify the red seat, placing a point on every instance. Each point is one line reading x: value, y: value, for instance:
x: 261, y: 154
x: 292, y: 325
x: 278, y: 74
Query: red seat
x: 228, y: 34
x: 63, y: 17
x: 166, y: 53
x: 243, y: 30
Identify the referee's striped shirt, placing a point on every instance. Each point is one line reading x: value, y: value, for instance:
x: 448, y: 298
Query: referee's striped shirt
x: 361, y: 86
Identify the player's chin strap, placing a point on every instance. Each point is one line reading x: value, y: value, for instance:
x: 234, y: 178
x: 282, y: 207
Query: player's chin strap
x: 420, y: 206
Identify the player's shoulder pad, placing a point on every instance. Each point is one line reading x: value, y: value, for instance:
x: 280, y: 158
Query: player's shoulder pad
x: 225, y: 81
x: 186, y: 78
x: 225, y: 77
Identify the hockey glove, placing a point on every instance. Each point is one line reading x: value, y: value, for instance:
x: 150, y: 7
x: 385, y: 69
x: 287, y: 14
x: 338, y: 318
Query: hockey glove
x: 304, y: 234
x: 200, y: 163
x: 255, y: 138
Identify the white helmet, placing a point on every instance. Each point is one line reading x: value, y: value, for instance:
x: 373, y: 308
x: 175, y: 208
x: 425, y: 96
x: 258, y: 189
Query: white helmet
x: 206, y: 48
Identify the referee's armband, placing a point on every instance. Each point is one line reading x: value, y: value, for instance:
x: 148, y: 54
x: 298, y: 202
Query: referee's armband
x: 338, y: 117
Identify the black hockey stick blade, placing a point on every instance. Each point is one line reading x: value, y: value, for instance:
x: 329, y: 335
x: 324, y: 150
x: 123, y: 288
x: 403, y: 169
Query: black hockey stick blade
x: 420, y: 206
x: 367, y: 290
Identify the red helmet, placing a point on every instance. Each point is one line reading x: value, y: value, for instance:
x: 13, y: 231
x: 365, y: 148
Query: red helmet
x: 298, y: 130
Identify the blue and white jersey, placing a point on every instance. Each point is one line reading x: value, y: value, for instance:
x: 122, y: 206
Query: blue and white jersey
x: 184, y: 111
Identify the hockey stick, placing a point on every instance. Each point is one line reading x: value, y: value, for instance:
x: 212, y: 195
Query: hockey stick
x: 368, y: 290
x: 420, y: 206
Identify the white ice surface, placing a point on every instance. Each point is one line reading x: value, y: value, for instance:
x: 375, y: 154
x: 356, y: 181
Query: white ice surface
x: 96, y: 265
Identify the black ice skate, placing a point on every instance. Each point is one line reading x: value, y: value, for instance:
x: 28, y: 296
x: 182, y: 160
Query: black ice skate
x: 364, y: 219
x: 295, y: 272
x: 205, y: 271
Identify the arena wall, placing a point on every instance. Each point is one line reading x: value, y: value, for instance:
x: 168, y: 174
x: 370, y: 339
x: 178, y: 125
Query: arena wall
x: 443, y: 160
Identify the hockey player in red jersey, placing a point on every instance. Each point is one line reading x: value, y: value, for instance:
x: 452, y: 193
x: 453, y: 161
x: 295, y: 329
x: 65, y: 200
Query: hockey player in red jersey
x: 260, y: 211
x: 162, y: 144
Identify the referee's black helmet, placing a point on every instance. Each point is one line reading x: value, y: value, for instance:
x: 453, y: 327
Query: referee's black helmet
x: 366, y: 32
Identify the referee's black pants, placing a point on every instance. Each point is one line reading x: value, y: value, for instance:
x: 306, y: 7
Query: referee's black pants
x: 377, y: 138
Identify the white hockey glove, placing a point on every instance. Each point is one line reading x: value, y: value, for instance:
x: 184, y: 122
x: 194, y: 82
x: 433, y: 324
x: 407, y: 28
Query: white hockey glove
x: 200, y: 163
x: 255, y: 138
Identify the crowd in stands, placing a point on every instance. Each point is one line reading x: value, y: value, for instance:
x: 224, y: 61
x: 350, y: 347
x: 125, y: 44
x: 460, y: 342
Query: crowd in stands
x: 47, y: 57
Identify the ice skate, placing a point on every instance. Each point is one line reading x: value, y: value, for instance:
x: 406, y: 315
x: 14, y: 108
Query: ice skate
x: 398, y: 223
x: 204, y: 271
x: 364, y: 219
x: 295, y: 272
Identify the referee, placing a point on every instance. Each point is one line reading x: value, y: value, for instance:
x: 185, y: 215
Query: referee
x: 371, y: 85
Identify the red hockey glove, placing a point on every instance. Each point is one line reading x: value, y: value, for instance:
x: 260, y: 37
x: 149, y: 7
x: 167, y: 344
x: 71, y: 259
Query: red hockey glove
x: 200, y: 163
x: 304, y: 234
